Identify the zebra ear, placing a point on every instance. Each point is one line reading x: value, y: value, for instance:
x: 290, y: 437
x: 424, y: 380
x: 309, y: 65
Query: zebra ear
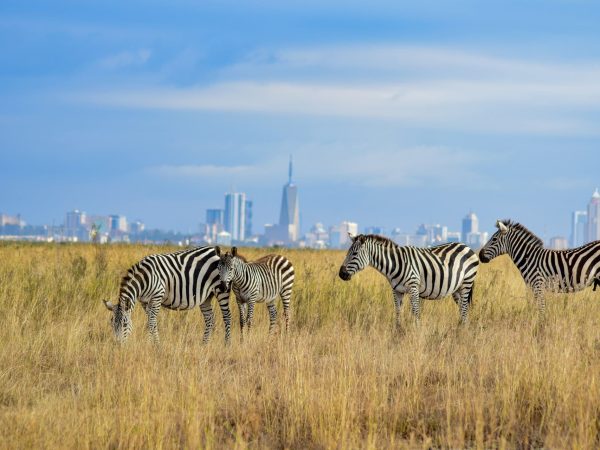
x: 233, y: 251
x: 218, y: 250
x: 503, y: 228
x: 351, y: 236
x: 109, y: 305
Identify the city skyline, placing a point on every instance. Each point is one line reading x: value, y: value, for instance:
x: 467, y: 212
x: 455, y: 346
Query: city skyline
x: 78, y: 225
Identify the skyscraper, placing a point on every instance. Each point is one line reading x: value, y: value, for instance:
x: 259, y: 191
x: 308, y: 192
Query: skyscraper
x: 248, y: 218
x: 470, y: 224
x: 578, y: 228
x: 593, y: 217
x: 214, y: 223
x: 235, y: 215
x: 289, y: 219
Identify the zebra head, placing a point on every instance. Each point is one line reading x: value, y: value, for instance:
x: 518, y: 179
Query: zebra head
x: 357, y: 257
x: 496, y: 246
x: 120, y: 321
x: 226, y: 268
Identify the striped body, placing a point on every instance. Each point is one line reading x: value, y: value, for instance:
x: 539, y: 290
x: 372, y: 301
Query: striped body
x: 258, y: 281
x: 177, y: 281
x: 423, y: 273
x: 544, y: 269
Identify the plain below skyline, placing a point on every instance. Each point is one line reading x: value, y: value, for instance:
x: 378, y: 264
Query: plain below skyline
x: 395, y: 114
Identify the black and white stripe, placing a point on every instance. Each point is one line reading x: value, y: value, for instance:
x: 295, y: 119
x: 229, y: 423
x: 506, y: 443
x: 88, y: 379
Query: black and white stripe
x: 178, y: 281
x: 262, y: 280
x: 422, y: 273
x: 544, y: 269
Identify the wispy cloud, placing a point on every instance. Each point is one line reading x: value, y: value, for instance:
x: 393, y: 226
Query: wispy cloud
x: 358, y: 165
x: 418, y: 86
x: 125, y: 59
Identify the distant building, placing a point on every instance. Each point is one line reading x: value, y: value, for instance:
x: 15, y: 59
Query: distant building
x: 453, y: 236
x: 136, y: 227
x: 470, y: 224
x: 214, y: 223
x: 578, y: 228
x: 380, y: 231
x: 559, y: 243
x: 437, y: 234
x: 224, y: 238
x: 593, y: 217
x: 407, y: 239
x: 117, y: 227
x: 476, y: 239
x: 317, y: 237
x: 289, y: 218
x: 248, y: 219
x: 338, y: 235
x: 235, y: 215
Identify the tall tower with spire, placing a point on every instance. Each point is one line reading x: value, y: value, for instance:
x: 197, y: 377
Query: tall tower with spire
x: 289, y: 218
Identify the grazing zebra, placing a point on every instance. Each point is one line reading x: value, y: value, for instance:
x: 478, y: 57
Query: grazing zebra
x: 544, y: 269
x: 178, y: 281
x: 429, y: 273
x: 258, y: 281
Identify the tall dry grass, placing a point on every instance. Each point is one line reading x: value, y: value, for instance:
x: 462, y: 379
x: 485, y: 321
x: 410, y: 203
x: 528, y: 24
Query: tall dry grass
x: 341, y: 379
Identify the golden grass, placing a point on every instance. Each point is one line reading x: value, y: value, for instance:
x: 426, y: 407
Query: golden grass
x: 341, y: 379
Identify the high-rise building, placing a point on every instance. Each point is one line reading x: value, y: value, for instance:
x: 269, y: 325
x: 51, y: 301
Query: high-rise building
x: 248, y: 218
x: 578, y: 228
x: 470, y: 224
x: 235, y: 216
x: 289, y: 219
x: 558, y: 243
x: 117, y: 224
x: 214, y: 223
x: 593, y: 217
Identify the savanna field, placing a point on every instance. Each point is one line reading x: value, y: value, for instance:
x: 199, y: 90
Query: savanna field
x: 342, y: 378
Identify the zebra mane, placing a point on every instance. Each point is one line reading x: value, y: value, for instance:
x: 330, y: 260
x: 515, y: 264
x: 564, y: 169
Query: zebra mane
x: 379, y: 239
x: 517, y: 226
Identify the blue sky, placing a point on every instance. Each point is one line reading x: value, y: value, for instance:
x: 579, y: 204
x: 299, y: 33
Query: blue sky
x: 396, y: 113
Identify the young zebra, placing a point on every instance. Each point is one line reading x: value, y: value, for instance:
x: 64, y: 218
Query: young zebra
x: 258, y: 281
x: 544, y: 269
x: 178, y: 281
x: 429, y: 273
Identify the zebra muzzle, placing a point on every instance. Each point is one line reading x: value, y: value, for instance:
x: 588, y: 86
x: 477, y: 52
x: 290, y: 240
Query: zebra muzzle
x: 344, y: 275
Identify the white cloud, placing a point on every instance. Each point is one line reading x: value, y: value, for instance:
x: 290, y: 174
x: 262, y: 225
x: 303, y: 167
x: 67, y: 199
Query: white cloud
x: 415, y: 86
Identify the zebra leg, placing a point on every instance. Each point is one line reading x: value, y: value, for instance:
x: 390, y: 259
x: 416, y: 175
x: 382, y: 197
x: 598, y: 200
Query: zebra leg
x: 272, y: 315
x: 250, y: 315
x: 223, y: 299
x: 398, y: 296
x: 463, y: 300
x: 152, y: 309
x: 415, y: 303
x: 242, y: 309
x: 285, y: 300
x: 209, y: 319
x: 538, y: 294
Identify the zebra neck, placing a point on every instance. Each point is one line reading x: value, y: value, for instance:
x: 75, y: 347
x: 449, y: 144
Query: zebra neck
x: 380, y: 256
x: 523, y: 255
x: 241, y: 272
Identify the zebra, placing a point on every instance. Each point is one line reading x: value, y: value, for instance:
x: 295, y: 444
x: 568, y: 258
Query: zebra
x: 178, y: 281
x: 429, y: 273
x: 257, y: 281
x: 543, y: 269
